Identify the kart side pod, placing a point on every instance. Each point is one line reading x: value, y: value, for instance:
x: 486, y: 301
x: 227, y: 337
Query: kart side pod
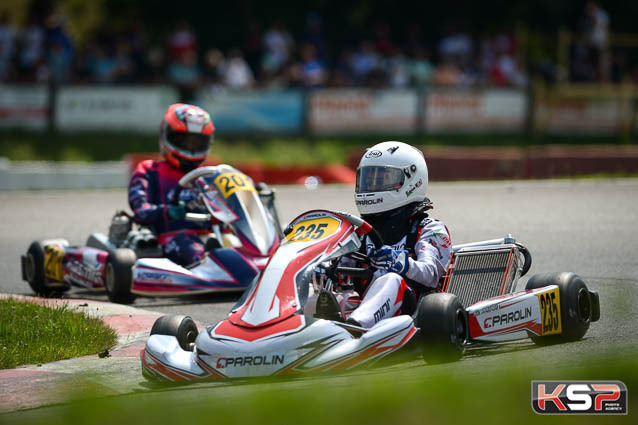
x: 555, y: 307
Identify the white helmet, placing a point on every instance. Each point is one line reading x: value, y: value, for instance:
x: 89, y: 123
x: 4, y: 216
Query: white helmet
x: 390, y: 175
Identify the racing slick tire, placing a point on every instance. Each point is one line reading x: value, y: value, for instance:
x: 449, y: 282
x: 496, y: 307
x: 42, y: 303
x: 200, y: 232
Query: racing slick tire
x: 119, y: 275
x: 576, y: 306
x: 33, y: 270
x: 181, y: 327
x: 442, y: 323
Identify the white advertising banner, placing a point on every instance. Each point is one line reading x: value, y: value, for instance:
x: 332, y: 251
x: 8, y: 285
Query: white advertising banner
x: 362, y: 111
x: 471, y: 110
x: 582, y: 115
x: 24, y: 107
x: 112, y: 108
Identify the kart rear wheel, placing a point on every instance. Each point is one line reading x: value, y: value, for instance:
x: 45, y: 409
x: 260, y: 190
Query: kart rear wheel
x: 443, y: 327
x: 119, y: 275
x: 33, y: 268
x: 181, y: 327
x: 576, y: 305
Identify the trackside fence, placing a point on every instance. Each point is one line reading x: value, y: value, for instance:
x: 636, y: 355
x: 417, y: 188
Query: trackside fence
x: 581, y: 109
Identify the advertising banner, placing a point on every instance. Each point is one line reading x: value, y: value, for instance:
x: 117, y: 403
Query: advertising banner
x: 113, y: 108
x: 475, y: 110
x: 268, y: 111
x: 362, y: 111
x: 570, y: 115
x: 24, y: 107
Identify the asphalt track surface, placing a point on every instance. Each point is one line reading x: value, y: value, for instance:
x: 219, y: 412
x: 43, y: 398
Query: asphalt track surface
x: 586, y: 226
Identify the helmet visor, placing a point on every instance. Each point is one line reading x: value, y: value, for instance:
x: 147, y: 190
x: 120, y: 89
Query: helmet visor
x: 190, y: 143
x: 379, y: 179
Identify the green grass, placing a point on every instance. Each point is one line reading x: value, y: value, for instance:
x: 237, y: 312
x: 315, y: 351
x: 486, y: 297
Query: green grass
x: 21, y: 146
x: 31, y: 333
x: 448, y: 394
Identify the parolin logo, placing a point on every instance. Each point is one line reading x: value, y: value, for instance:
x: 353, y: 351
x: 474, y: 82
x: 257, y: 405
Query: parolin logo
x: 507, y: 318
x: 145, y: 275
x: 224, y: 362
x: 579, y: 397
x: 370, y: 201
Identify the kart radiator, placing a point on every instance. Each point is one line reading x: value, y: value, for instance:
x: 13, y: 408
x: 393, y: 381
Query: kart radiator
x: 475, y: 274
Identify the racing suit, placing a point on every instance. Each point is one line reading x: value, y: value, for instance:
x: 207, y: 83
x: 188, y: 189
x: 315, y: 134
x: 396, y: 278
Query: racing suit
x: 150, y: 192
x: 427, y: 263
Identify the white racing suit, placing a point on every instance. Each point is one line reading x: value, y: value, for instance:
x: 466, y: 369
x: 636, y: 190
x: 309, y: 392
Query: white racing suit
x: 428, y: 262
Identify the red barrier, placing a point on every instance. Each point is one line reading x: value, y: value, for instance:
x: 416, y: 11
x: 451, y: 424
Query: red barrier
x: 270, y: 174
x: 458, y: 163
x: 463, y: 163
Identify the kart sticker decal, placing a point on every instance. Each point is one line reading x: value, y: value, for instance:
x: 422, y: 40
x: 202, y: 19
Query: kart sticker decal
x: 313, y: 230
x: 156, y: 367
x: 364, y: 354
x: 550, y: 311
x: 318, y: 348
x: 156, y: 289
x: 371, y: 352
x: 268, y: 303
x: 224, y: 362
x: 477, y: 332
x: 225, y: 329
x: 53, y: 256
x: 513, y: 297
x: 213, y: 374
x: 83, y: 274
x: 230, y: 182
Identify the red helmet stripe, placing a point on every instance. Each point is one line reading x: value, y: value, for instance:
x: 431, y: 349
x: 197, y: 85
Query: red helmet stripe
x: 208, y: 129
x: 171, y: 159
x: 172, y: 120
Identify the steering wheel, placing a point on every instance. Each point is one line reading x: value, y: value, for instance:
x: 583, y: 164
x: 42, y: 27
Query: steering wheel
x: 186, y: 182
x: 363, y: 228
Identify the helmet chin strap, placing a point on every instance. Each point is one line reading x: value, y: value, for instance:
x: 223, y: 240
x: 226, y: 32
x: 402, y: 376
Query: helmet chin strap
x: 187, y: 166
x: 395, y: 224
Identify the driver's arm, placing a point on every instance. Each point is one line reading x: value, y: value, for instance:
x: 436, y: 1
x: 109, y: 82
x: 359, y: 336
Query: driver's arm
x: 433, y: 252
x: 146, y: 209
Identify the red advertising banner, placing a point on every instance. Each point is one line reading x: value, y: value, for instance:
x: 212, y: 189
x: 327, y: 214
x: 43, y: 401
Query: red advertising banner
x: 571, y: 115
x: 362, y: 111
x: 472, y: 110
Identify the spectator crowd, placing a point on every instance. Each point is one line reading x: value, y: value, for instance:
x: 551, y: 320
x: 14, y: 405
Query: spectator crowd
x: 44, y: 51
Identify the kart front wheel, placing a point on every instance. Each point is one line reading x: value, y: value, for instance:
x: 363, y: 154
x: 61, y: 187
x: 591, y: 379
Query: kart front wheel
x: 118, y: 276
x: 578, y: 306
x: 181, y: 327
x: 442, y: 323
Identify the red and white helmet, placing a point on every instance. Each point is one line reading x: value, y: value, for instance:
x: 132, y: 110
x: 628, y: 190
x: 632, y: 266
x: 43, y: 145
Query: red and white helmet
x: 186, y: 134
x: 390, y: 175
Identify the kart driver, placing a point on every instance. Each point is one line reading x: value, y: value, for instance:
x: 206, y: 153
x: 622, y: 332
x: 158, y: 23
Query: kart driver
x: 390, y: 194
x: 185, y: 138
